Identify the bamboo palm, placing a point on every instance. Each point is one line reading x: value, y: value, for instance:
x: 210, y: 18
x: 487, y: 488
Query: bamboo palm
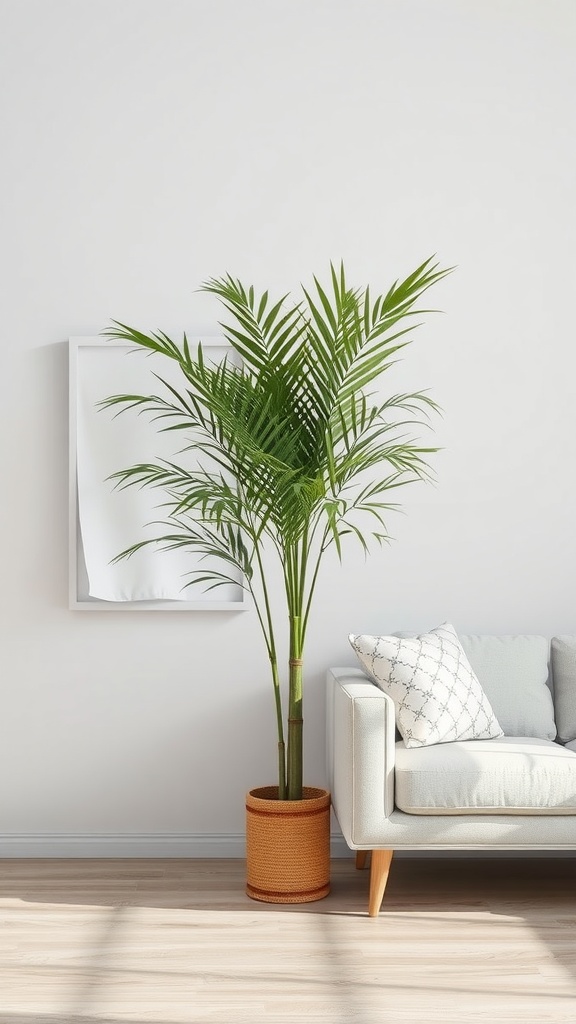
x: 299, y: 454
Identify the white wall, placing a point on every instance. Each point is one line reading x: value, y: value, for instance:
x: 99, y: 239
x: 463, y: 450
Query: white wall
x: 147, y: 145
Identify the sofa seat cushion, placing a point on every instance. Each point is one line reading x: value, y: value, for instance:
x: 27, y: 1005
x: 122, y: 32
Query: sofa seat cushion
x: 509, y: 775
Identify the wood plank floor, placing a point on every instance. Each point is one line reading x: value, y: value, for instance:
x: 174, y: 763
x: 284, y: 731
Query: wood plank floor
x: 178, y: 942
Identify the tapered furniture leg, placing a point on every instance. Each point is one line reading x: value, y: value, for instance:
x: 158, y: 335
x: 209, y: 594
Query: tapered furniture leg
x: 361, y: 858
x: 381, y: 860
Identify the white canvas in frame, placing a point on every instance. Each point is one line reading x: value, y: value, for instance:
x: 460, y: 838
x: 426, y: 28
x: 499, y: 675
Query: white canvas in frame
x: 104, y: 521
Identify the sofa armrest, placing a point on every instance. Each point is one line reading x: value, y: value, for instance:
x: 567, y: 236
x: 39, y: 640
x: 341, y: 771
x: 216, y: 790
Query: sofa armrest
x: 361, y: 751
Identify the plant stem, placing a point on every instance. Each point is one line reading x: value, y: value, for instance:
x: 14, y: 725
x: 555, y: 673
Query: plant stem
x: 281, y: 744
x: 295, y: 568
x: 295, y: 712
x: 271, y: 647
x: 306, y: 605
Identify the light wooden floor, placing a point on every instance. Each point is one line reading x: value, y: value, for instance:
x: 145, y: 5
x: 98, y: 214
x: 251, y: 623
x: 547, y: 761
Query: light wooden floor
x: 177, y: 941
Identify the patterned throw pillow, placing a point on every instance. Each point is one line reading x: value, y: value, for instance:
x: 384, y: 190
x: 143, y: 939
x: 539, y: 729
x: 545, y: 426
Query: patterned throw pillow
x: 437, y: 697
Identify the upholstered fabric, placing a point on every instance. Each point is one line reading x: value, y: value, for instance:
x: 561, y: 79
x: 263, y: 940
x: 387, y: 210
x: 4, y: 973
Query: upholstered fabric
x: 510, y: 775
x: 571, y: 745
x: 513, y: 672
x: 358, y: 710
x: 437, y: 696
x: 359, y: 770
x: 563, y: 653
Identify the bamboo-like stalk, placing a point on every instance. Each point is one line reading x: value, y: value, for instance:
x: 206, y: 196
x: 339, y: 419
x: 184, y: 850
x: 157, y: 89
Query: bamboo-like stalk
x: 295, y: 723
x: 271, y: 646
x: 282, y: 789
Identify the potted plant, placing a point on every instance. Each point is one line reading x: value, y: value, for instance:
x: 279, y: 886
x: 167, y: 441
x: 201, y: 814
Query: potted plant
x: 301, y: 458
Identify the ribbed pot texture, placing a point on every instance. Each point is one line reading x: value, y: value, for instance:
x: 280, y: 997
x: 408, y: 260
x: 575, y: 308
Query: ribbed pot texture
x: 287, y: 846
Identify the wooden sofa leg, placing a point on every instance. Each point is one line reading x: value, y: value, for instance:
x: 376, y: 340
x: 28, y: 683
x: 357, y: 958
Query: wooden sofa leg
x: 361, y: 856
x: 379, y: 871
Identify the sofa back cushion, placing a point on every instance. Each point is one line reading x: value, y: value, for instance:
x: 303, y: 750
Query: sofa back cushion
x: 514, y: 673
x: 563, y: 652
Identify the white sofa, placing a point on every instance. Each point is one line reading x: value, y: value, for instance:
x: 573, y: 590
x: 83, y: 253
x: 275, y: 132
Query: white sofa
x: 517, y: 792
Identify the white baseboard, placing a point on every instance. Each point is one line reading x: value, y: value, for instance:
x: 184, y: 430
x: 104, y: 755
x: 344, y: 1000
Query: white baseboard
x: 176, y: 844
x: 227, y: 845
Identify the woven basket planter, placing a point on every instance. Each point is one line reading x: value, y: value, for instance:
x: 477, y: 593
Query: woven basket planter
x: 287, y: 846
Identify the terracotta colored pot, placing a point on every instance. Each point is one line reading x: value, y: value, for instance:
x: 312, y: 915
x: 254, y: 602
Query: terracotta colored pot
x: 287, y: 846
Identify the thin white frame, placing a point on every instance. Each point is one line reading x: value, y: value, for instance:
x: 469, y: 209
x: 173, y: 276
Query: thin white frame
x: 79, y: 599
